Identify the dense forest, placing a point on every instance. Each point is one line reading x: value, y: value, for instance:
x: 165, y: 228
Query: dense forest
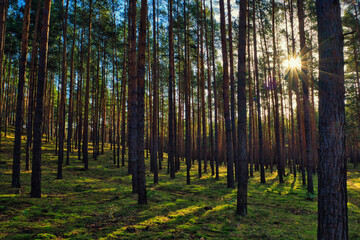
x: 179, y: 119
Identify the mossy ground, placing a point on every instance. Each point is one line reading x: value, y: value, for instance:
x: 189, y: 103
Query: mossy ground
x: 98, y: 204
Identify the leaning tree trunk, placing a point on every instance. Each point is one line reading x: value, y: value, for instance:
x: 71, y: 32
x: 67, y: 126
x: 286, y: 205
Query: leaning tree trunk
x: 332, y: 203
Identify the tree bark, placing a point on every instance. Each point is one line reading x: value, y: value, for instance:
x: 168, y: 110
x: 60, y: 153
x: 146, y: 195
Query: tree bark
x: 36, y: 163
x: 241, y: 208
x: 20, y: 96
x: 229, y: 143
x: 332, y: 203
x: 87, y: 93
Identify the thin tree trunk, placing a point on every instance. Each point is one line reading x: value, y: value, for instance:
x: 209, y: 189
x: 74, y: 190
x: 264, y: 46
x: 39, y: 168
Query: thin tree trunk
x: 141, y: 177
x: 261, y: 158
x: 87, y: 93
x: 63, y: 94
x: 20, y: 96
x: 229, y: 143
x: 171, y: 77
x: 70, y: 119
x: 29, y: 125
x: 241, y: 208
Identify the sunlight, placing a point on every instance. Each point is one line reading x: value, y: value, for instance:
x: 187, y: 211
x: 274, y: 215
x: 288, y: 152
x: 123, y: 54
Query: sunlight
x: 293, y: 63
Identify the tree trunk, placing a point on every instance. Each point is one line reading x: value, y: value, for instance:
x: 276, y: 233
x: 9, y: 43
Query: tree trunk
x: 36, y: 163
x: 132, y: 136
x: 306, y: 102
x: 171, y: 77
x: 63, y: 94
x: 20, y: 96
x: 87, y: 93
x: 141, y: 177
x: 232, y: 95
x: 70, y: 119
x: 261, y: 158
x: 229, y: 143
x: 29, y: 124
x: 332, y: 203
x: 242, y: 159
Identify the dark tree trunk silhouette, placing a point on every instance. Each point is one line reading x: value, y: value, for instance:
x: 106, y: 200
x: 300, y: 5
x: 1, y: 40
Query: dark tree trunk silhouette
x: 232, y: 94
x: 155, y: 112
x: 171, y: 79
x: 86, y: 102
x: 216, y: 147
x: 38, y: 119
x: 243, y: 164
x: 132, y: 136
x: 141, y: 177
x: 71, y: 107
x: 332, y: 203
x: 29, y: 124
x: 276, y: 83
x: 20, y: 96
x: 306, y: 102
x: 261, y: 157
x: 63, y: 94
x: 229, y: 143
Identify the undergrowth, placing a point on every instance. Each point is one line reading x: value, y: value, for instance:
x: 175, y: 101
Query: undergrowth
x: 99, y: 204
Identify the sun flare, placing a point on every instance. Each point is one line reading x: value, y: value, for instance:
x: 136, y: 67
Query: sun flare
x: 293, y: 63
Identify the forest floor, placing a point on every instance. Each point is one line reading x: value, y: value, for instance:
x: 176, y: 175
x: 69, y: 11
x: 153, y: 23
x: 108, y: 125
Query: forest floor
x: 98, y: 204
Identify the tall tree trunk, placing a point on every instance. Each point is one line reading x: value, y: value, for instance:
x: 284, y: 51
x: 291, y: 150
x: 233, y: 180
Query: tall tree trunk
x: 20, y: 96
x: 29, y: 124
x: 79, y: 96
x: 208, y: 60
x: 187, y: 101
x: 87, y: 102
x: 261, y: 157
x: 70, y: 118
x: 229, y: 143
x: 36, y: 163
x: 63, y: 94
x: 132, y: 136
x: 3, y: 17
x: 155, y: 113
x: 232, y: 94
x: 306, y: 102
x: 279, y: 156
x: 241, y: 208
x: 171, y: 78
x: 141, y: 177
x: 332, y: 204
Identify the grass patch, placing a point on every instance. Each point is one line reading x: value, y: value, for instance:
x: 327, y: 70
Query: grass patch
x: 99, y: 204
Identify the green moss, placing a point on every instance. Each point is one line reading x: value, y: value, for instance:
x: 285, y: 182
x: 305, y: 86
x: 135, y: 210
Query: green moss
x: 99, y: 204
